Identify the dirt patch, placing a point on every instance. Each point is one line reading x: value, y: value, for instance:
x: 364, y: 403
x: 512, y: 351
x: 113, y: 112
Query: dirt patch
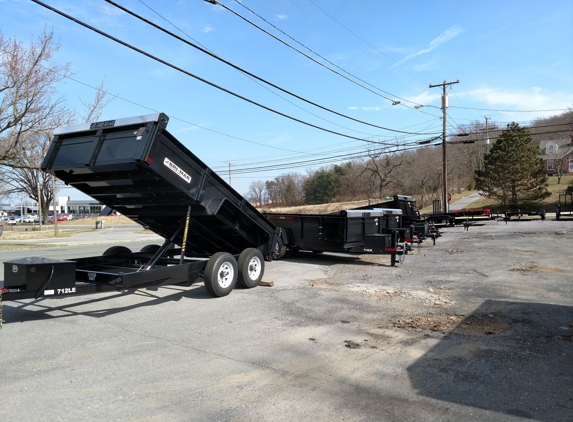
x: 537, y: 268
x: 490, y: 324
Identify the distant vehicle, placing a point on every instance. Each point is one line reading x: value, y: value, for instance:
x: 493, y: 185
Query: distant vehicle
x: 12, y: 220
x: 60, y: 218
x: 30, y: 219
x: 1, y: 229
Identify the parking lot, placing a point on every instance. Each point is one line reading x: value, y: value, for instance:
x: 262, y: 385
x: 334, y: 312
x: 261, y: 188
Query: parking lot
x: 479, y: 327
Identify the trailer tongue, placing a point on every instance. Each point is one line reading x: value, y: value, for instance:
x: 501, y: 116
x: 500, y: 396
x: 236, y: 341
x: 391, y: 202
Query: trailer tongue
x: 136, y: 167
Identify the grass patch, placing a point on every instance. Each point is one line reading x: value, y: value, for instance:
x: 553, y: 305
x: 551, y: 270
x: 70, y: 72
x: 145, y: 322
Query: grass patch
x: 44, y: 234
x: 549, y: 203
x: 12, y: 247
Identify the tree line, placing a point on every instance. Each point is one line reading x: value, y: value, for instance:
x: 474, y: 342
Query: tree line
x: 503, y: 163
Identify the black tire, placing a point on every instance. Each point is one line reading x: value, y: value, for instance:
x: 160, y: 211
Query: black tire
x: 280, y: 249
x: 150, y: 248
x: 251, y: 268
x: 117, y: 250
x: 221, y: 274
x: 317, y: 252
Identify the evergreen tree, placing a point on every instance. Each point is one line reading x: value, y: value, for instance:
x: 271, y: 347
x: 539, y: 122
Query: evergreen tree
x: 322, y: 187
x: 512, y: 171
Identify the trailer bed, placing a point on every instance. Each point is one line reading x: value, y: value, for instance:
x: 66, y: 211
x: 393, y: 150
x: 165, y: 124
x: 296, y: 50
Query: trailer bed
x: 137, y: 168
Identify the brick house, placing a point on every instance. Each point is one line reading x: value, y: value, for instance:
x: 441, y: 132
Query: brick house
x: 557, y: 154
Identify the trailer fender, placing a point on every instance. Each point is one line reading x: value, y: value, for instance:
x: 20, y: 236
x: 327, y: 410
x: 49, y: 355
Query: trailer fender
x: 117, y: 250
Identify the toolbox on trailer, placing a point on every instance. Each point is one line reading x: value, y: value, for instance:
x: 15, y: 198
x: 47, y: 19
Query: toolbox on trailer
x: 411, y: 227
x: 137, y: 168
x: 348, y: 231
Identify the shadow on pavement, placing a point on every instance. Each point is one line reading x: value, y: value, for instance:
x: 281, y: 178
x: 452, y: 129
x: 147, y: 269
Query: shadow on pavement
x: 46, y: 308
x: 520, y: 364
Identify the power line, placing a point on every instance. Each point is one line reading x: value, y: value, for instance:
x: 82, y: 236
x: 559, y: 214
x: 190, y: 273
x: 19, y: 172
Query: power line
x: 325, y: 59
x: 203, y: 50
x: 216, y: 2
x: 166, y: 63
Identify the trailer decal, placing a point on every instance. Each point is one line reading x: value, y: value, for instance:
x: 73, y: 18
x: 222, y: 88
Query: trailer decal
x: 65, y: 290
x: 174, y: 168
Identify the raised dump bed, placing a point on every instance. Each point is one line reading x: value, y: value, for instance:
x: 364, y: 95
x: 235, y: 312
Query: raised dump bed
x: 136, y: 167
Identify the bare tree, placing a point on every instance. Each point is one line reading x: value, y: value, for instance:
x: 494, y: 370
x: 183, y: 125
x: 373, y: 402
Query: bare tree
x: 560, y: 162
x: 382, y: 163
x: 30, y: 109
x: 257, y: 192
x: 29, y: 102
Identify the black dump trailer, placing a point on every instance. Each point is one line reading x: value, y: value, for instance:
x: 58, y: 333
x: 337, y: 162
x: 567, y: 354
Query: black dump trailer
x: 414, y: 228
x: 137, y: 168
x: 348, y: 231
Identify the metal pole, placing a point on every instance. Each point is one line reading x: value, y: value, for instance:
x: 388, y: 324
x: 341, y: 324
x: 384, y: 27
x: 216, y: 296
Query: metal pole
x: 54, y: 199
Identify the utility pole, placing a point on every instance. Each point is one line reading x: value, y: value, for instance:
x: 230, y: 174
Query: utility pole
x: 230, y: 164
x: 444, y: 162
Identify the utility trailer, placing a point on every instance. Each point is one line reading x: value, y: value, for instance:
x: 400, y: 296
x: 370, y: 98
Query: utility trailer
x: 348, y: 231
x: 518, y: 212
x: 414, y: 228
x: 137, y: 168
x: 565, y: 206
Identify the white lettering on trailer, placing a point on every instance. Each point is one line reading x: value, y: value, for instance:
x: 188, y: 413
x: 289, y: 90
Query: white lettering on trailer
x: 48, y: 292
x: 66, y: 290
x: 174, y: 168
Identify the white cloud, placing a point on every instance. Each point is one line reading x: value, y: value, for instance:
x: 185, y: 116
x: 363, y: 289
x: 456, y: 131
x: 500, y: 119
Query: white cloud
x: 426, y: 98
x: 365, y: 108
x: 445, y: 36
x: 191, y: 128
x: 208, y: 29
x: 280, y: 139
x: 281, y: 17
x: 534, y: 98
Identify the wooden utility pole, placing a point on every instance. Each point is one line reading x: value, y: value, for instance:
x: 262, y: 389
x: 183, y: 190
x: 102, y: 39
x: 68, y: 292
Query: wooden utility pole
x: 230, y: 164
x: 444, y: 161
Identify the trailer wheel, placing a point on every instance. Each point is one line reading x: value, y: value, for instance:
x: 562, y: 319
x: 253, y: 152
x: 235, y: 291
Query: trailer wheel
x: 117, y: 250
x: 220, y: 274
x: 150, y: 248
x: 251, y: 268
x: 280, y: 248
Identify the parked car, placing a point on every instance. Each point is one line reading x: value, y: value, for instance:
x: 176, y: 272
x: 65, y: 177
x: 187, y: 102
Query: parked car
x: 60, y: 218
x: 30, y: 219
x: 1, y: 229
x: 12, y: 220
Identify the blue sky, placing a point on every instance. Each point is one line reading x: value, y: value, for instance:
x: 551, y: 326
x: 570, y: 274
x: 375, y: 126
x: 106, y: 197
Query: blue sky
x: 513, y: 59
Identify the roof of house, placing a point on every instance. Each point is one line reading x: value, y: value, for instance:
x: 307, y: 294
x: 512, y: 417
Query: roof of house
x: 564, y: 147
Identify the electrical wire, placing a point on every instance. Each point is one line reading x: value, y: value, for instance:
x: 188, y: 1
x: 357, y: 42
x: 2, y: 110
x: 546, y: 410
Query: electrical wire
x: 299, y: 51
x: 325, y: 59
x: 166, y: 63
x: 203, y: 50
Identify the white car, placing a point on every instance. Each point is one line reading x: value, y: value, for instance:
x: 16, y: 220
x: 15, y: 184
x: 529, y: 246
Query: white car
x: 29, y: 219
x: 12, y: 220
